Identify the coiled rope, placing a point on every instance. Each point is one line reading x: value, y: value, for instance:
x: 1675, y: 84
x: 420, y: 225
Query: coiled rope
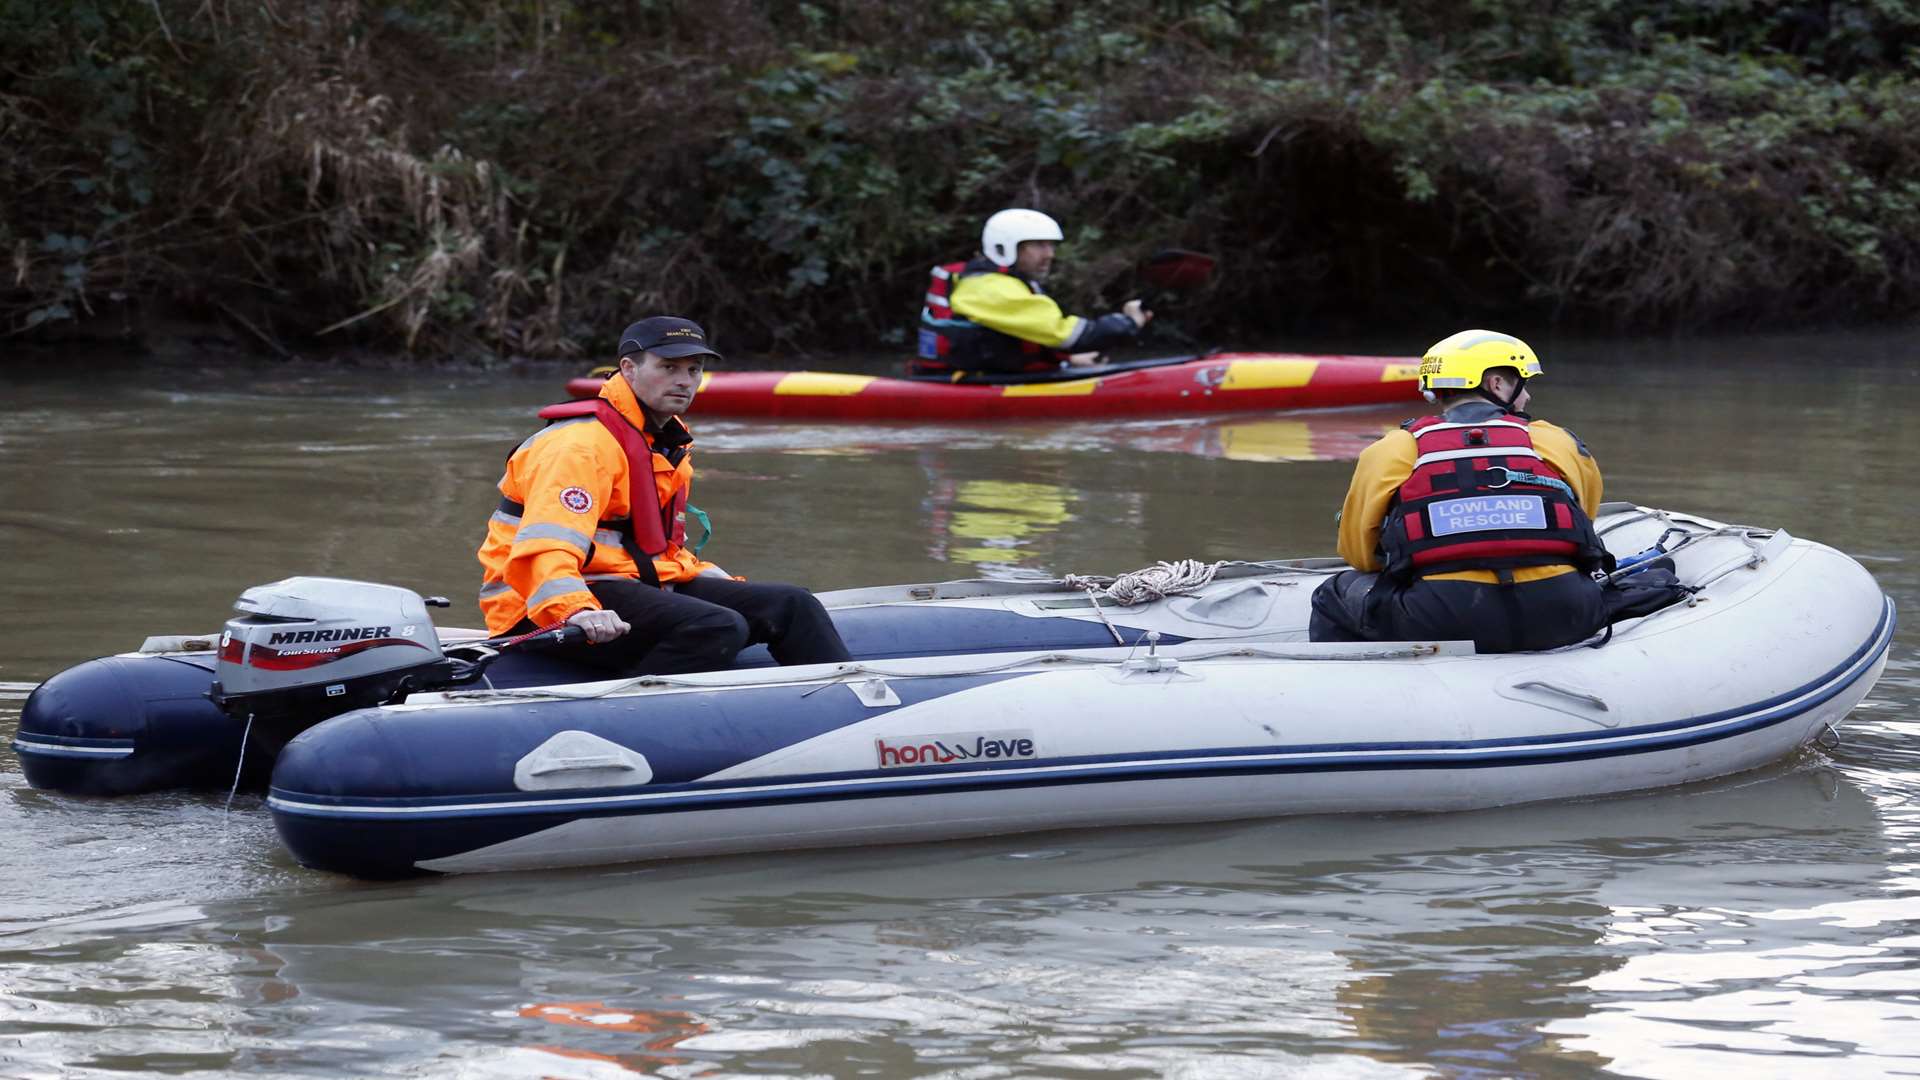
x: 1156, y: 582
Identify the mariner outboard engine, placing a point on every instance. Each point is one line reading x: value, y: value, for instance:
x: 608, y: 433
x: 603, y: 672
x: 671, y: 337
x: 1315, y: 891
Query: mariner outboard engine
x: 308, y: 648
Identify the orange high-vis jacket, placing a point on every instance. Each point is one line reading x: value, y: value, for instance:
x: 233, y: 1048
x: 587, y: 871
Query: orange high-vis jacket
x: 572, y: 482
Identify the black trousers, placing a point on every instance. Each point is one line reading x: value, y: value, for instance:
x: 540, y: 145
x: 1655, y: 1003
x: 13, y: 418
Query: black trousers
x: 701, y: 625
x: 1544, y: 614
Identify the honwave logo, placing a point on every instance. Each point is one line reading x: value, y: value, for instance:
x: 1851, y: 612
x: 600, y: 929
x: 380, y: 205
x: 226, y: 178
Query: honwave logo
x: 345, y: 633
x: 902, y: 752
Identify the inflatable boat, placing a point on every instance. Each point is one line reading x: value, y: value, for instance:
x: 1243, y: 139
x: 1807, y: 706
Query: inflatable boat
x: 182, y: 710
x: 978, y: 708
x: 1167, y: 386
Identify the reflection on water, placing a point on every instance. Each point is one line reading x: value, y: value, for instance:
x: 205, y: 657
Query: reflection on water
x: 1758, y: 926
x: 1527, y: 941
x: 1322, y: 435
x: 992, y: 524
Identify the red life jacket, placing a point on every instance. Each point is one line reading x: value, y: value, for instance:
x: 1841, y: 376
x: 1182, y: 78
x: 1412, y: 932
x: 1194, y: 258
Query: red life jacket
x: 954, y: 344
x: 644, y: 535
x: 1466, y: 507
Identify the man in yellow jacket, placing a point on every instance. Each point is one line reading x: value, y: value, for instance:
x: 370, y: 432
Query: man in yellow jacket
x: 992, y: 313
x: 1472, y: 524
x: 591, y: 531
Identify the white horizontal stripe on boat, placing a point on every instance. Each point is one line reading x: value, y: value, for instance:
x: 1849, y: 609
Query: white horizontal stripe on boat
x: 32, y: 746
x: 1474, y: 452
x: 559, y: 586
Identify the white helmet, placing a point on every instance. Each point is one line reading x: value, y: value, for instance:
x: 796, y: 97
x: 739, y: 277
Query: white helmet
x: 1000, y: 240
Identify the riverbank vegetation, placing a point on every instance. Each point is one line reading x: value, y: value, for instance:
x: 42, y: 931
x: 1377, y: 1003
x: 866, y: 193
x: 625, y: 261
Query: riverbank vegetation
x: 521, y: 177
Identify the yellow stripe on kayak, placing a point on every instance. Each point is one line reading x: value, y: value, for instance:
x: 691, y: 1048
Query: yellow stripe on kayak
x: 705, y: 378
x: 1400, y: 373
x: 1075, y: 388
x: 1268, y: 374
x: 821, y: 384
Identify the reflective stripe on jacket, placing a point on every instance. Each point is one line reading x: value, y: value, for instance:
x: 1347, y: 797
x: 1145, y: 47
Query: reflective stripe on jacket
x: 577, y: 516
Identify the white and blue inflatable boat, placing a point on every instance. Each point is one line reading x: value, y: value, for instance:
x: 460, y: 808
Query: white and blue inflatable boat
x: 977, y: 708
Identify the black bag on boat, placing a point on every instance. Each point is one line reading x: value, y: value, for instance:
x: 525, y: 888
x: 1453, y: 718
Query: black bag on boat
x: 1643, y: 592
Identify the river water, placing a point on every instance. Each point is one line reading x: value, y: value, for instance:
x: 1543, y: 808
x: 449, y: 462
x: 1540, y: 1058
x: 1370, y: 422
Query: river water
x: 1764, y: 925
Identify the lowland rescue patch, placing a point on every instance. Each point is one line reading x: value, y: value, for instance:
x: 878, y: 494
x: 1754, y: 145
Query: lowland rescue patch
x: 1487, y: 512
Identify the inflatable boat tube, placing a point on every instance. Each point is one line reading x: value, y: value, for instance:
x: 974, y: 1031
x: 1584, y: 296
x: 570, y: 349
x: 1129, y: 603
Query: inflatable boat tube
x: 1782, y: 639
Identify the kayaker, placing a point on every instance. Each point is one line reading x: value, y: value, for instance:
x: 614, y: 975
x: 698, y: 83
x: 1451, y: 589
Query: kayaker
x: 990, y: 313
x: 591, y: 530
x: 1475, y: 523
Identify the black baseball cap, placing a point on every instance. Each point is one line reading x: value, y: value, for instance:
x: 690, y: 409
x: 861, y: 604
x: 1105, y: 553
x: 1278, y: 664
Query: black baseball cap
x: 667, y: 337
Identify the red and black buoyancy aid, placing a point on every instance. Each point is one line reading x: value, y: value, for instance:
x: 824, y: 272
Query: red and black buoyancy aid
x: 644, y: 535
x: 951, y: 343
x: 1480, y: 497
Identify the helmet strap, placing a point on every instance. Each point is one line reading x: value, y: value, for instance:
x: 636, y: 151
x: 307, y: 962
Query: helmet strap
x: 1506, y: 404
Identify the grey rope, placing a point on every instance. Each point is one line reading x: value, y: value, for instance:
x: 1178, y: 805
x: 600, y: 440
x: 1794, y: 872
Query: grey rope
x: 1156, y: 582
x: 846, y: 671
x: 237, y: 767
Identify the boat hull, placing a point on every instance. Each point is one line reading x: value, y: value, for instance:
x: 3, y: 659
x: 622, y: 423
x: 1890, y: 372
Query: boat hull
x: 1219, y: 383
x: 959, y: 746
x: 1098, y: 792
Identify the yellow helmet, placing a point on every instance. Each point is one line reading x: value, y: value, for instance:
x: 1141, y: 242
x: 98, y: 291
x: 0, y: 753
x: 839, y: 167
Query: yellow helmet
x: 1458, y: 362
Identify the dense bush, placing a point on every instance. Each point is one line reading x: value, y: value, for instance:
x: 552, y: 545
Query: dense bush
x: 523, y: 176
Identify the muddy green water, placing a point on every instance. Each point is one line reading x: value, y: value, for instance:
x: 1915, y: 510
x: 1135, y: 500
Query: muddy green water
x: 1765, y: 925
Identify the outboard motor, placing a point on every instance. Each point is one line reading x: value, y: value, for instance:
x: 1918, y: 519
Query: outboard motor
x: 308, y: 648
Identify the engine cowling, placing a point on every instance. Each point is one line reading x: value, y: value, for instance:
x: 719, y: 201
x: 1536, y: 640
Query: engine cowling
x: 300, y: 650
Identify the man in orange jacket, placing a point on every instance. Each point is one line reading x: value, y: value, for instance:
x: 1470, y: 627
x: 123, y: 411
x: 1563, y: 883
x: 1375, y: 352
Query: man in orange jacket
x: 592, y: 524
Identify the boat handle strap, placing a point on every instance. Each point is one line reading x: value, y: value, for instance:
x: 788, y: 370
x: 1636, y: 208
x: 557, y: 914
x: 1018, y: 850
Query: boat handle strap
x: 1584, y: 699
x: 569, y: 764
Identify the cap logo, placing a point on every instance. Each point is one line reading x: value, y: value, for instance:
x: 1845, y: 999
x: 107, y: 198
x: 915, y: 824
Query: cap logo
x: 682, y: 332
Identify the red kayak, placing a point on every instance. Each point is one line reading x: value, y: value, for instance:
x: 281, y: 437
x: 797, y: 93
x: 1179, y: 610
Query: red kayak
x: 1175, y: 386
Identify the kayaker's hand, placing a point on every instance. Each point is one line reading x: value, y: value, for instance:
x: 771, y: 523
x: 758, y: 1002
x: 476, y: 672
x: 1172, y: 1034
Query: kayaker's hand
x: 1140, y: 315
x: 1085, y: 359
x: 600, y: 624
x: 714, y: 571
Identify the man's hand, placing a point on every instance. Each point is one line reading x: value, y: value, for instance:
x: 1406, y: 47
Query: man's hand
x: 1140, y: 316
x: 1086, y: 359
x: 600, y: 624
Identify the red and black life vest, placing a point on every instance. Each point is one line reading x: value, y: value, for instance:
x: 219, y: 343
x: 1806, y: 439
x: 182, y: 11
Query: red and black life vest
x: 644, y: 535
x: 1480, y: 497
x: 951, y: 344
